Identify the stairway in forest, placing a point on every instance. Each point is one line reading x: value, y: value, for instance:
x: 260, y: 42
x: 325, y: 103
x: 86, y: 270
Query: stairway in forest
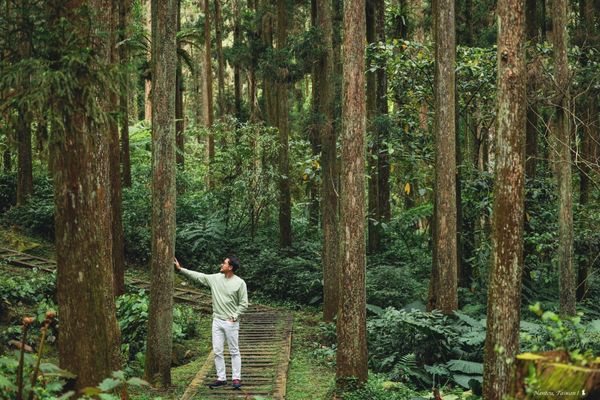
x: 265, y: 346
x: 265, y: 341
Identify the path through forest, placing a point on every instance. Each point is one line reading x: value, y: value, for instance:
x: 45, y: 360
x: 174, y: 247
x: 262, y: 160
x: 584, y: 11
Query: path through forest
x: 265, y: 341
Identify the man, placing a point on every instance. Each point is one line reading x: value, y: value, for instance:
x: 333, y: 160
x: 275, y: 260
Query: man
x: 230, y: 300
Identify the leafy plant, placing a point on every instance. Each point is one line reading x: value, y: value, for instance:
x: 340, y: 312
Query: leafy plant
x: 132, y: 315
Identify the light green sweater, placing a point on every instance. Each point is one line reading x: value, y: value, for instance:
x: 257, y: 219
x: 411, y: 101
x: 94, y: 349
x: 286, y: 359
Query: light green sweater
x: 229, y: 295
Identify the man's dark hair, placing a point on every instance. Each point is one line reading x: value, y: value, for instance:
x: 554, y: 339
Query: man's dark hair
x: 234, y: 262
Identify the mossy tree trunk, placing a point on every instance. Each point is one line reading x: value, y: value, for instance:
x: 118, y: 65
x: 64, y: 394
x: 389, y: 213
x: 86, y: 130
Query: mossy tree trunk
x: 589, y: 135
x: 562, y: 134
x: 220, y: 60
x: 237, y: 69
x: 443, y: 290
x: 372, y: 149
x: 23, y: 120
x: 89, y: 334
x: 179, y: 116
x: 160, y: 314
x: 504, y: 292
x: 208, y: 89
x: 285, y: 203
x: 383, y: 164
x: 124, y: 9
x: 351, y: 322
x: 324, y: 85
x: 116, y: 206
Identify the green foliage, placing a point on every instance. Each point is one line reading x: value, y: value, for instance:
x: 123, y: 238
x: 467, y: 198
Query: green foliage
x: 378, y: 388
x: 282, y: 275
x: 426, y: 348
x: 52, y: 379
x: 36, y: 216
x: 581, y: 340
x: 8, y: 191
x: 28, y: 289
x: 132, y: 314
x: 53, y: 375
x: 392, y: 286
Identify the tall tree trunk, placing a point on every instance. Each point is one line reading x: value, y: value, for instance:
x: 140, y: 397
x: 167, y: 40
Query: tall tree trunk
x: 208, y: 95
x: 567, y: 280
x: 373, y: 149
x: 89, y: 334
x: 160, y: 314
x: 237, y: 70
x: 314, y: 131
x: 504, y: 293
x: 179, y: 117
x: 252, y: 83
x: 285, y: 204
x: 269, y: 89
x: 148, y: 82
x: 220, y: 60
x: 114, y: 165
x: 443, y: 293
x: 6, y: 154
x: 23, y: 123
x: 532, y: 110
x: 24, y: 158
x: 124, y: 7
x: 531, y: 130
x: 6, y: 160
x: 590, y: 131
x: 324, y: 82
x: 351, y: 322
x: 383, y: 163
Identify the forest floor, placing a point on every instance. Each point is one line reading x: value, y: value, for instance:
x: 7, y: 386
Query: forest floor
x: 310, y: 375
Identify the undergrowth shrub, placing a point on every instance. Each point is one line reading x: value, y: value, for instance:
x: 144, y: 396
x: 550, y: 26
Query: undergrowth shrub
x: 8, y: 190
x: 427, y: 348
x: 132, y: 315
x: 36, y: 216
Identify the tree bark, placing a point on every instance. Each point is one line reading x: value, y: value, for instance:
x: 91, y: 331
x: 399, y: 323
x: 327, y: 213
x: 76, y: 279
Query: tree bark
x: 444, y: 268
x: 532, y: 110
x: 89, y: 333
x: 269, y: 88
x: 351, y: 322
x: 24, y: 158
x: 148, y: 82
x: 23, y: 123
x: 531, y: 144
x: 179, y: 117
x: 118, y: 242
x: 562, y: 126
x: 285, y: 204
x: 208, y: 94
x: 6, y: 160
x: 324, y: 82
x: 124, y: 7
x: 160, y: 314
x: 383, y: 163
x: 220, y: 60
x: 373, y: 149
x: 237, y: 70
x: 590, y: 131
x: 314, y: 131
x: 504, y: 293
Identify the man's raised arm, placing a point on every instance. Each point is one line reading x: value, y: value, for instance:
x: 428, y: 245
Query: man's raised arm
x: 193, y: 275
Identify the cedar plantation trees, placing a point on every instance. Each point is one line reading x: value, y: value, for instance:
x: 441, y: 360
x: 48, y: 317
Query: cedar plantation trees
x: 383, y: 130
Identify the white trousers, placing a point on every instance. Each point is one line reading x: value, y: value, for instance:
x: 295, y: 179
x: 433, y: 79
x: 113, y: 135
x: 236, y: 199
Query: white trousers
x: 222, y: 330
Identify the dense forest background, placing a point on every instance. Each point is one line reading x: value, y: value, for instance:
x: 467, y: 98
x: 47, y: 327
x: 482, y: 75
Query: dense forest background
x: 400, y: 169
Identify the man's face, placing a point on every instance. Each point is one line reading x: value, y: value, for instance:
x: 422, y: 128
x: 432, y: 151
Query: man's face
x: 226, y: 267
